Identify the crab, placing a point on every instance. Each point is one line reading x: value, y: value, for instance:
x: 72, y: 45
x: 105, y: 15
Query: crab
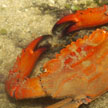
x: 77, y: 75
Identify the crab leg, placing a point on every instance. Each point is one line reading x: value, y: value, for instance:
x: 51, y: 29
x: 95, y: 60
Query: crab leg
x: 18, y: 84
x: 66, y: 103
x: 90, y: 17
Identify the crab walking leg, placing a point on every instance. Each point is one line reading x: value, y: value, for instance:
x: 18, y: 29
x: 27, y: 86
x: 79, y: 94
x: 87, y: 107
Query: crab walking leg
x: 60, y: 103
x: 72, y: 105
x: 23, y: 67
x: 66, y: 103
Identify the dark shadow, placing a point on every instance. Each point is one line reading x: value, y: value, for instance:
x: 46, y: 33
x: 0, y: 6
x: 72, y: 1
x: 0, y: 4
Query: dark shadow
x: 43, y: 102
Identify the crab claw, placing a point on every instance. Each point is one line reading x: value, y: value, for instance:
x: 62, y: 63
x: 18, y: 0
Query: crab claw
x: 90, y: 17
x: 64, y: 24
x: 18, y: 84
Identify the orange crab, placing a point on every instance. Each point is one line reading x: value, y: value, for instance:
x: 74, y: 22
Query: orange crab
x: 77, y: 75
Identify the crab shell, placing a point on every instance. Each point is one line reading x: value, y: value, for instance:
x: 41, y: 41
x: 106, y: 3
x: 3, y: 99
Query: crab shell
x: 80, y: 70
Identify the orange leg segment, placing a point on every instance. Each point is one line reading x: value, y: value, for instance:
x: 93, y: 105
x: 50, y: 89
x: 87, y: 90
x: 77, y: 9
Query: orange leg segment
x: 66, y: 103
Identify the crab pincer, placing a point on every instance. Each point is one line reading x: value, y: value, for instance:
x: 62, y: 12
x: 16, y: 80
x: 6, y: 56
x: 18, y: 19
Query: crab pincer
x: 18, y: 84
x: 90, y: 17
